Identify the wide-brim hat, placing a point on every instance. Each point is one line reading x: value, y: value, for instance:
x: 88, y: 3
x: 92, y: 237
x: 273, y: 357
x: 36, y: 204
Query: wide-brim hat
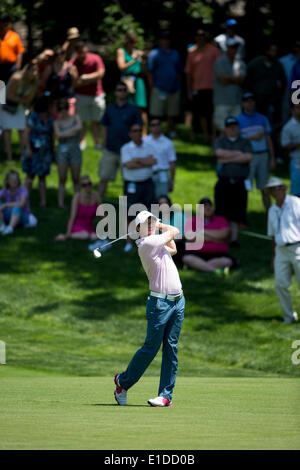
x: 73, y: 33
x: 274, y: 182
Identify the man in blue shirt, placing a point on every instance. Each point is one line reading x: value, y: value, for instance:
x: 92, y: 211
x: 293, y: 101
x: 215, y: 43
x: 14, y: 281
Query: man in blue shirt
x: 164, y: 70
x: 117, y: 121
x: 256, y: 128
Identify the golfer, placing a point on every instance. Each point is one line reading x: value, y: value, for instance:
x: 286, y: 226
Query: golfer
x: 165, y: 310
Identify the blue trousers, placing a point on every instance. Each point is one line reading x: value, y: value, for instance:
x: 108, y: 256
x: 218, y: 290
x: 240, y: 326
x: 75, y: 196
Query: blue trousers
x: 8, y: 212
x: 165, y: 319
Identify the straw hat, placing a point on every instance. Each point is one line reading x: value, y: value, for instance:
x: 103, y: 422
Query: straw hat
x: 73, y: 33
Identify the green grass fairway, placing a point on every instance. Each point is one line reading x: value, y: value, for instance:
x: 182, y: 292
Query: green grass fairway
x: 209, y: 413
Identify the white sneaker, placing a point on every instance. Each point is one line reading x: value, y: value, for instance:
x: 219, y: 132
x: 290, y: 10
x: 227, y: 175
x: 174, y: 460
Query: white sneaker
x: 128, y: 247
x: 120, y: 393
x: 82, y: 145
x: 2, y: 227
x: 289, y: 321
x: 8, y: 230
x: 160, y: 401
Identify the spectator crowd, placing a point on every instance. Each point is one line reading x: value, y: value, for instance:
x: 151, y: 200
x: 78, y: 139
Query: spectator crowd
x: 242, y: 109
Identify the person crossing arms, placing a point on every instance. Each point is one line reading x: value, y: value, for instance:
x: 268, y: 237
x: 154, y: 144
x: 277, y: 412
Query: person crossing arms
x: 165, y: 310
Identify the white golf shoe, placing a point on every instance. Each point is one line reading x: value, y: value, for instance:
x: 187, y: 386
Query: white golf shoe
x: 295, y: 319
x: 120, y: 393
x: 160, y: 401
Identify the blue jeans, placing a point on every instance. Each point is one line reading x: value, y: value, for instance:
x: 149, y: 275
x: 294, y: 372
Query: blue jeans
x: 165, y: 319
x: 8, y: 212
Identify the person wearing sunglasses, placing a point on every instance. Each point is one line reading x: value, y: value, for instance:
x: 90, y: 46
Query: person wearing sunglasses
x: 284, y: 228
x: 83, y: 211
x: 116, y: 122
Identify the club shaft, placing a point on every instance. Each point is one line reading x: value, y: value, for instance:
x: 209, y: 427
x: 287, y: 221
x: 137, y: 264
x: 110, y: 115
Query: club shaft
x: 114, y: 241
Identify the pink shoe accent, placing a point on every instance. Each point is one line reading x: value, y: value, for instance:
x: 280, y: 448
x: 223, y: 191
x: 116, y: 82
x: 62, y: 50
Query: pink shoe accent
x: 118, y: 386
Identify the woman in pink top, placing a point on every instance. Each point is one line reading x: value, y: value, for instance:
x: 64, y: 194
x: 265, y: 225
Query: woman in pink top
x: 83, y: 211
x: 214, y: 255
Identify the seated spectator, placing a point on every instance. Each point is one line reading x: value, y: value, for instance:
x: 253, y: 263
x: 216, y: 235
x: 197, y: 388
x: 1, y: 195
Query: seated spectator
x: 213, y: 256
x: 70, y: 45
x: 234, y: 153
x: 68, y: 154
x: 164, y: 71
x: 129, y: 61
x: 290, y: 141
x: 11, y: 49
x: 230, y: 33
x: 38, y: 150
x: 256, y: 128
x: 83, y: 211
x: 20, y: 93
x: 59, y: 78
x: 116, y: 123
x: 89, y: 93
x: 229, y: 75
x: 15, y: 211
x: 137, y: 160
x: 199, y: 70
x: 164, y: 152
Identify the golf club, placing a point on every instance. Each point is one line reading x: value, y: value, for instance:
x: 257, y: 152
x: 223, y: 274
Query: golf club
x: 97, y: 251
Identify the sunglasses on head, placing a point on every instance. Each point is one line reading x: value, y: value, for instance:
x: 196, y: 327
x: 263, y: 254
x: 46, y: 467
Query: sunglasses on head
x: 87, y: 184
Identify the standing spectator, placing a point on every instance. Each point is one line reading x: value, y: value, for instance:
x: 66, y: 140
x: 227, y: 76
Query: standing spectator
x: 234, y: 153
x: 290, y: 141
x: 71, y: 42
x: 15, y: 211
x: 116, y: 123
x: 137, y: 158
x: 59, y: 78
x: 43, y: 59
x: 229, y: 75
x: 90, y: 97
x: 284, y: 228
x: 129, y: 61
x: 288, y: 62
x: 200, y: 76
x: 20, y: 93
x: 221, y: 40
x: 214, y: 255
x: 256, y: 128
x: 83, y: 211
x: 266, y: 79
x: 68, y: 154
x: 165, y: 155
x: 11, y: 50
x: 38, y: 150
x: 164, y: 73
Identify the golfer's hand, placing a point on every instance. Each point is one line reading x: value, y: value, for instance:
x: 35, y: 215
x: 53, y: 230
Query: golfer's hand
x: 159, y: 225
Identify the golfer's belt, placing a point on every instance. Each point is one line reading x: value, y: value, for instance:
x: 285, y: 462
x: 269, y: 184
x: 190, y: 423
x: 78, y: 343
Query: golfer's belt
x: 166, y: 296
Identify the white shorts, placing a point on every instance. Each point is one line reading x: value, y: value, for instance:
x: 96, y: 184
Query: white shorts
x: 90, y: 108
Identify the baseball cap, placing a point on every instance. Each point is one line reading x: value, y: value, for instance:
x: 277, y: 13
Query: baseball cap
x: 73, y: 33
x: 231, y: 120
x: 231, y: 22
x: 205, y: 200
x: 248, y: 95
x: 273, y: 182
x: 231, y: 42
x: 143, y: 216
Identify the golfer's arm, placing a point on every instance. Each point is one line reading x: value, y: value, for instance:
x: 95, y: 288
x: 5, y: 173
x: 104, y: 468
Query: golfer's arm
x: 171, y: 247
x: 170, y: 231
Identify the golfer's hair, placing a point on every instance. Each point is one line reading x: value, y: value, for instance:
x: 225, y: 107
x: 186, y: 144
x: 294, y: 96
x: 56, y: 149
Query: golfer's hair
x: 8, y: 175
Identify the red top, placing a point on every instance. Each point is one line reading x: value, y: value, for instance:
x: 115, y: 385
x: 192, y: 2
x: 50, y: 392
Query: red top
x: 214, y: 223
x: 84, y: 218
x: 92, y: 63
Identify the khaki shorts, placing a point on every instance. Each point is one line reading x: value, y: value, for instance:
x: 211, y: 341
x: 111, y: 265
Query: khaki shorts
x: 164, y: 104
x: 90, y: 108
x: 108, y: 165
x: 260, y: 169
x: 222, y: 112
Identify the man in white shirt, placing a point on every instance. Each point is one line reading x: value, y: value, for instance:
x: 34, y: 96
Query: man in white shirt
x: 166, y: 159
x: 284, y: 227
x: 290, y: 140
x: 137, y: 160
x: 221, y: 39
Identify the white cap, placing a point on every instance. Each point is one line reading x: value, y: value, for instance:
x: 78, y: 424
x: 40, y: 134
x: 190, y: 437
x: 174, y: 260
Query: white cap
x: 143, y: 216
x: 274, y: 181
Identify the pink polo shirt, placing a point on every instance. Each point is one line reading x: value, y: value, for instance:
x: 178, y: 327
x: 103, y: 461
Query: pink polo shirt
x: 159, y: 265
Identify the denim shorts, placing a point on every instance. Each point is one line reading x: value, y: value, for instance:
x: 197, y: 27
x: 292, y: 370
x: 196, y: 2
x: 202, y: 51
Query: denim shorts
x: 7, y: 213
